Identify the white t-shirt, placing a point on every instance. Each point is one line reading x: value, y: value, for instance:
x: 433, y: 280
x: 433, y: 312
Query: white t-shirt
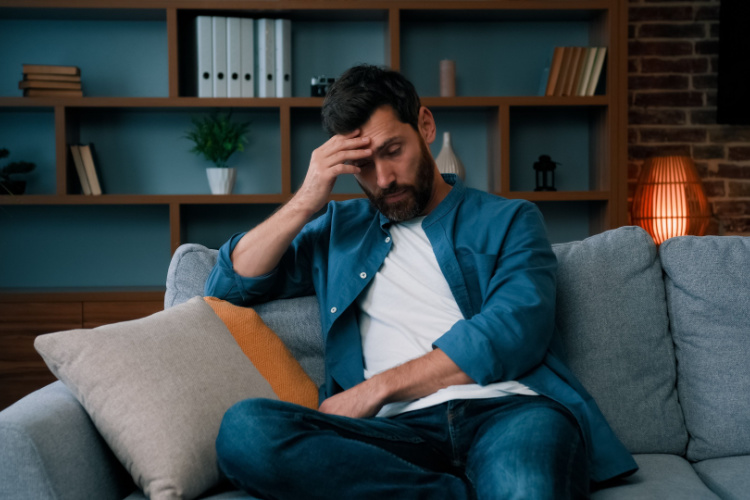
x: 407, y: 306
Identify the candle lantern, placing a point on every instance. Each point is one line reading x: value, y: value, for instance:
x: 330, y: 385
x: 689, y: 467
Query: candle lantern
x: 545, y: 174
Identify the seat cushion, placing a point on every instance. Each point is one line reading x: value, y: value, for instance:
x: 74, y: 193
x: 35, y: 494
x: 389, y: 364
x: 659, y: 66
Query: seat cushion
x: 728, y: 477
x: 612, y: 318
x: 662, y: 477
x: 708, y: 295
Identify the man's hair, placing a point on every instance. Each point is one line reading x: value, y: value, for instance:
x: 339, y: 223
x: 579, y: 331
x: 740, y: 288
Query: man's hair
x: 361, y: 90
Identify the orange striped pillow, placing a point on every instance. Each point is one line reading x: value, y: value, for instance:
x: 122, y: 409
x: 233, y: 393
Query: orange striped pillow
x: 268, y: 353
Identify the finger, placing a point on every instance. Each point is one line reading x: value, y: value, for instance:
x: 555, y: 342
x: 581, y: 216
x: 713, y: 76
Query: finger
x: 349, y: 155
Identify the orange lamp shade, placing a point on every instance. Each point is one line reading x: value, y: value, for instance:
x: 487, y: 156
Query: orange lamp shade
x: 669, y: 199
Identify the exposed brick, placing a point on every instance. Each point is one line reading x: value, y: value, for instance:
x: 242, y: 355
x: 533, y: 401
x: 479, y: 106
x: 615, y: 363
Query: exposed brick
x: 631, y: 31
x: 650, y: 135
x: 732, y: 171
x: 632, y: 136
x: 639, y: 48
x: 730, y: 134
x: 714, y: 64
x: 714, y: 189
x: 704, y: 81
x: 703, y: 117
x: 708, y: 47
x: 707, y: 13
x: 739, y: 153
x: 640, y: 152
x: 633, y: 65
x: 731, y: 208
x: 713, y: 30
x: 669, y: 99
x: 711, y: 98
x: 661, y: 82
x: 634, y: 170
x: 683, y: 65
x: 712, y: 152
x: 739, y: 189
x: 656, y: 117
x: 661, y: 13
x: 653, y: 30
x: 736, y: 226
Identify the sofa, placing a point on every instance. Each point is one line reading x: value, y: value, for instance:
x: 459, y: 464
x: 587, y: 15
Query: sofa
x: 660, y: 337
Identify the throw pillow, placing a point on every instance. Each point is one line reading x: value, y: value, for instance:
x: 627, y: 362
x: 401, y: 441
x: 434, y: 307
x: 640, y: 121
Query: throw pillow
x: 156, y: 389
x: 267, y: 353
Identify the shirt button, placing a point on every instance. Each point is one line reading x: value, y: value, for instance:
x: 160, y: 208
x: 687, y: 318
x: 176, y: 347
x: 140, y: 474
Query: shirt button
x: 363, y: 275
x: 333, y: 310
x: 388, y: 239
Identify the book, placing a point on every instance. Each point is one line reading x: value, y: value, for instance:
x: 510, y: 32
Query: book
x: 204, y: 37
x: 577, y: 68
x: 80, y: 169
x: 247, y: 54
x: 52, y: 93
x: 51, y: 69
x: 283, y: 58
x: 234, y: 57
x: 588, y: 64
x: 266, y: 57
x: 554, y: 70
x: 562, y: 78
x: 220, y: 55
x: 42, y: 84
x: 596, y: 71
x: 88, y: 164
x: 50, y: 77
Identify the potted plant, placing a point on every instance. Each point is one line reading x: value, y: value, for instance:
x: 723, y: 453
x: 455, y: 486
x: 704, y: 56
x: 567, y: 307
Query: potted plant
x: 9, y: 185
x: 216, y: 138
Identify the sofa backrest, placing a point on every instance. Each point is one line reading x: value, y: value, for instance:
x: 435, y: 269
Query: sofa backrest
x: 708, y: 294
x: 611, y: 317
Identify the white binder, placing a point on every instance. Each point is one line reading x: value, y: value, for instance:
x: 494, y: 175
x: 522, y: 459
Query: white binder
x: 203, y: 36
x: 234, y: 62
x: 266, y: 58
x: 283, y: 58
x: 247, y: 56
x: 220, y: 56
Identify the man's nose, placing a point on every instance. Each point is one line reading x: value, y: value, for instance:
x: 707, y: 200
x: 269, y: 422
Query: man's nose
x: 385, y: 174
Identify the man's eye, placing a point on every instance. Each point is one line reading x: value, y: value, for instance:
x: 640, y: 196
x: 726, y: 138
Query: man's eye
x: 394, y: 152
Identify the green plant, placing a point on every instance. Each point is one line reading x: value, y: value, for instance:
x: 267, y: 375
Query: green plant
x: 17, y: 167
x: 217, y: 138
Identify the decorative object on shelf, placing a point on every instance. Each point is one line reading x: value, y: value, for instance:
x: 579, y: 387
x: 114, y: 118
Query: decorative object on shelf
x: 40, y: 80
x: 447, y: 78
x: 216, y: 138
x: 83, y: 159
x: 9, y: 185
x: 319, y: 86
x: 545, y: 173
x: 447, y: 161
x: 669, y: 199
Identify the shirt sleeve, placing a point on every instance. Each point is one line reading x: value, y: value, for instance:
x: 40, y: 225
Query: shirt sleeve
x: 291, y: 278
x: 512, y: 332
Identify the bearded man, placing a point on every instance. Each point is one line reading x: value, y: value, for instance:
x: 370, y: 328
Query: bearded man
x: 437, y: 309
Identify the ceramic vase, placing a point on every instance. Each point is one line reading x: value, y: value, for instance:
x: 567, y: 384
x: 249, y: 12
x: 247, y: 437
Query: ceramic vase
x: 447, y: 161
x: 221, y: 180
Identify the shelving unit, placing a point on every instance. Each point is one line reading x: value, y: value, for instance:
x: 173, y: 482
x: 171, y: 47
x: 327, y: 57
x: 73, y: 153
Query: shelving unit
x: 136, y: 58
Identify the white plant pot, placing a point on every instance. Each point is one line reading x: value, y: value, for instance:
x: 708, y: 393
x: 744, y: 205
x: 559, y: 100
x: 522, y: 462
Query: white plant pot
x: 221, y: 180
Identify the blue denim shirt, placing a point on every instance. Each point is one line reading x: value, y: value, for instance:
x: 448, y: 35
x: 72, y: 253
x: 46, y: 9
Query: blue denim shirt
x: 501, y: 269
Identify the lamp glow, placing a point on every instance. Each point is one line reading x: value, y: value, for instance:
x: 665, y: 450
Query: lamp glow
x: 669, y: 200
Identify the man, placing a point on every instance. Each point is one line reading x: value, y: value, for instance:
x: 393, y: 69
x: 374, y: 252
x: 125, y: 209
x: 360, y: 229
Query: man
x: 437, y: 307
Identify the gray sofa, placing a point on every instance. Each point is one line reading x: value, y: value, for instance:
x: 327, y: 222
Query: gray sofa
x: 661, y: 339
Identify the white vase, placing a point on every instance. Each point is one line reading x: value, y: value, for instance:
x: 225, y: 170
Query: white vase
x: 447, y: 161
x: 221, y: 180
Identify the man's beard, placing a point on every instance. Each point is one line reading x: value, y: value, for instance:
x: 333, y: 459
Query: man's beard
x: 418, y: 195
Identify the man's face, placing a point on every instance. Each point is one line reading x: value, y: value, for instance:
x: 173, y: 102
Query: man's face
x: 399, y: 177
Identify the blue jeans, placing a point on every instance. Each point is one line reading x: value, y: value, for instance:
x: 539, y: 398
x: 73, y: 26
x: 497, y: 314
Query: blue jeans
x: 511, y: 447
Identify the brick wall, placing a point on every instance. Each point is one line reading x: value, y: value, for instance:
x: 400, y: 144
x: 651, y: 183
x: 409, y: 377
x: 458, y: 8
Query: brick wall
x: 673, y: 59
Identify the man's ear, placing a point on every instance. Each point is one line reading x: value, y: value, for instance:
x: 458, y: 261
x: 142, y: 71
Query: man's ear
x: 427, y: 127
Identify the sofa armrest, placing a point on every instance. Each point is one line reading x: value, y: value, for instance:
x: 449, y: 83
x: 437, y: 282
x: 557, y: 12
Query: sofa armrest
x: 51, y: 450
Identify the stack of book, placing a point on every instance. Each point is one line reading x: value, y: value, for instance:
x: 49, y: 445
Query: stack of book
x: 84, y: 162
x: 231, y: 49
x: 575, y: 71
x: 44, y: 80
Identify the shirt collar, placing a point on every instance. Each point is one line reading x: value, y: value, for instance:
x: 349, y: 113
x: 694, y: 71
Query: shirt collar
x: 455, y: 195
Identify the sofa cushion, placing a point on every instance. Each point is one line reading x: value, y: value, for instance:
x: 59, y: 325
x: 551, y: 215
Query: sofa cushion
x: 267, y: 353
x: 708, y: 294
x: 612, y: 318
x: 156, y: 389
x: 662, y: 477
x: 188, y: 272
x: 728, y: 477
